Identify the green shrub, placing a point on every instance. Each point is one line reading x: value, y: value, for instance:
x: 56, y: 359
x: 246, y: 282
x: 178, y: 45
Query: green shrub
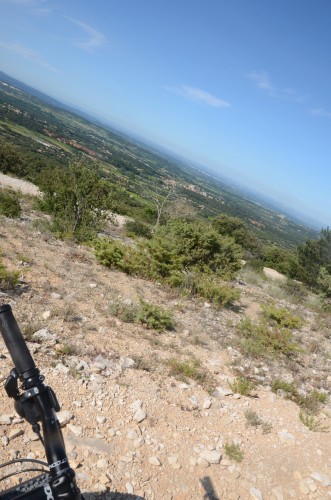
x: 294, y: 289
x: 324, y: 282
x: 186, y: 255
x: 282, y: 385
x: 125, y: 258
x: 237, y: 229
x: 76, y: 198
x: 233, y: 452
x: 281, y: 260
x: 312, y: 423
x: 155, y: 317
x: 197, y: 245
x: 219, y: 295
x: 242, y: 385
x: 281, y: 316
x: 134, y: 228
x: 252, y: 419
x: 322, y: 397
x: 263, y: 340
x: 9, y: 203
x: 251, y: 276
x: 8, y: 279
x: 309, y: 403
x: 125, y: 311
x: 65, y: 350
x: 151, y: 316
x: 187, y: 369
x: 204, y: 285
x: 256, y: 265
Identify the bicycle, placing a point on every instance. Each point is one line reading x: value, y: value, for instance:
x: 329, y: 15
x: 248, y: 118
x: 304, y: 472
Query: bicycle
x: 35, y: 402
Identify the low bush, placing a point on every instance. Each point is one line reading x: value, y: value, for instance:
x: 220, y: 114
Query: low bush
x: 116, y: 255
x: 124, y: 310
x: 252, y: 419
x: 312, y: 423
x: 158, y: 259
x: 9, y: 203
x: 64, y: 349
x: 233, y: 452
x: 281, y: 317
x: 187, y: 369
x: 263, y: 340
x: 294, y: 289
x: 219, y: 295
x: 309, y: 403
x: 155, y: 317
x: 324, y: 282
x: 134, y: 228
x: 251, y: 276
x: 8, y: 279
x: 282, y: 385
x: 242, y: 385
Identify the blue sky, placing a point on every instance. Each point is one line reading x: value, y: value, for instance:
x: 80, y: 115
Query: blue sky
x: 241, y: 87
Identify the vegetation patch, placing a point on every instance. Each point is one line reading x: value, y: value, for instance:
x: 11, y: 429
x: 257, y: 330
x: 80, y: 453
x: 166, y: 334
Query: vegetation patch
x: 192, y: 257
x: 124, y: 310
x: 75, y: 197
x: 65, y: 349
x: 280, y: 316
x: 282, y: 385
x: 8, y: 279
x: 309, y: 403
x: 242, y: 385
x: 153, y: 317
x: 9, y: 203
x: 294, y: 290
x: 136, y: 228
x: 191, y: 369
x: 262, y: 340
x: 234, y: 452
x: 312, y: 423
x: 252, y: 419
x: 272, y: 335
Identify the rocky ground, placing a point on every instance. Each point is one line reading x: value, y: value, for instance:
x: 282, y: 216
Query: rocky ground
x: 132, y: 429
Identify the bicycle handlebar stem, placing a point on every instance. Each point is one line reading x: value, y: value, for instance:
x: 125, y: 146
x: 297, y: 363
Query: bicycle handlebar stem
x: 37, y: 403
x: 15, y: 342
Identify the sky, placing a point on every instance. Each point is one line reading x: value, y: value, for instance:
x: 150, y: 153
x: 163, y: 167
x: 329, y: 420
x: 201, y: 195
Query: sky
x: 241, y: 87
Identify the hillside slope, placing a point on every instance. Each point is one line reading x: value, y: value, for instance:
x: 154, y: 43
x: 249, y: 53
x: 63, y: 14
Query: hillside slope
x: 135, y: 428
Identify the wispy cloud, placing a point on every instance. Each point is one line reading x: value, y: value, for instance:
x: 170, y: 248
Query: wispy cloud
x: 198, y: 95
x: 93, y: 39
x: 263, y: 81
x: 39, y: 7
x: 24, y: 3
x: 28, y: 53
x: 324, y: 113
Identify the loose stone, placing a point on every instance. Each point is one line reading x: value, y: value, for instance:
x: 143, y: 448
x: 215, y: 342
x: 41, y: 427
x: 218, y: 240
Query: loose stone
x: 154, y: 461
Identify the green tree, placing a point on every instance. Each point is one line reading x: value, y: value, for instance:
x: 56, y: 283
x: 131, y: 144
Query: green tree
x: 11, y: 160
x: 282, y: 260
x: 324, y: 282
x: 196, y: 244
x: 237, y: 229
x: 314, y: 255
x: 76, y: 198
x: 9, y: 203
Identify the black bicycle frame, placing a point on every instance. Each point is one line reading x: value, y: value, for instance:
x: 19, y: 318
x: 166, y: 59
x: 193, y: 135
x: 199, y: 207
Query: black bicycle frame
x: 36, y: 403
